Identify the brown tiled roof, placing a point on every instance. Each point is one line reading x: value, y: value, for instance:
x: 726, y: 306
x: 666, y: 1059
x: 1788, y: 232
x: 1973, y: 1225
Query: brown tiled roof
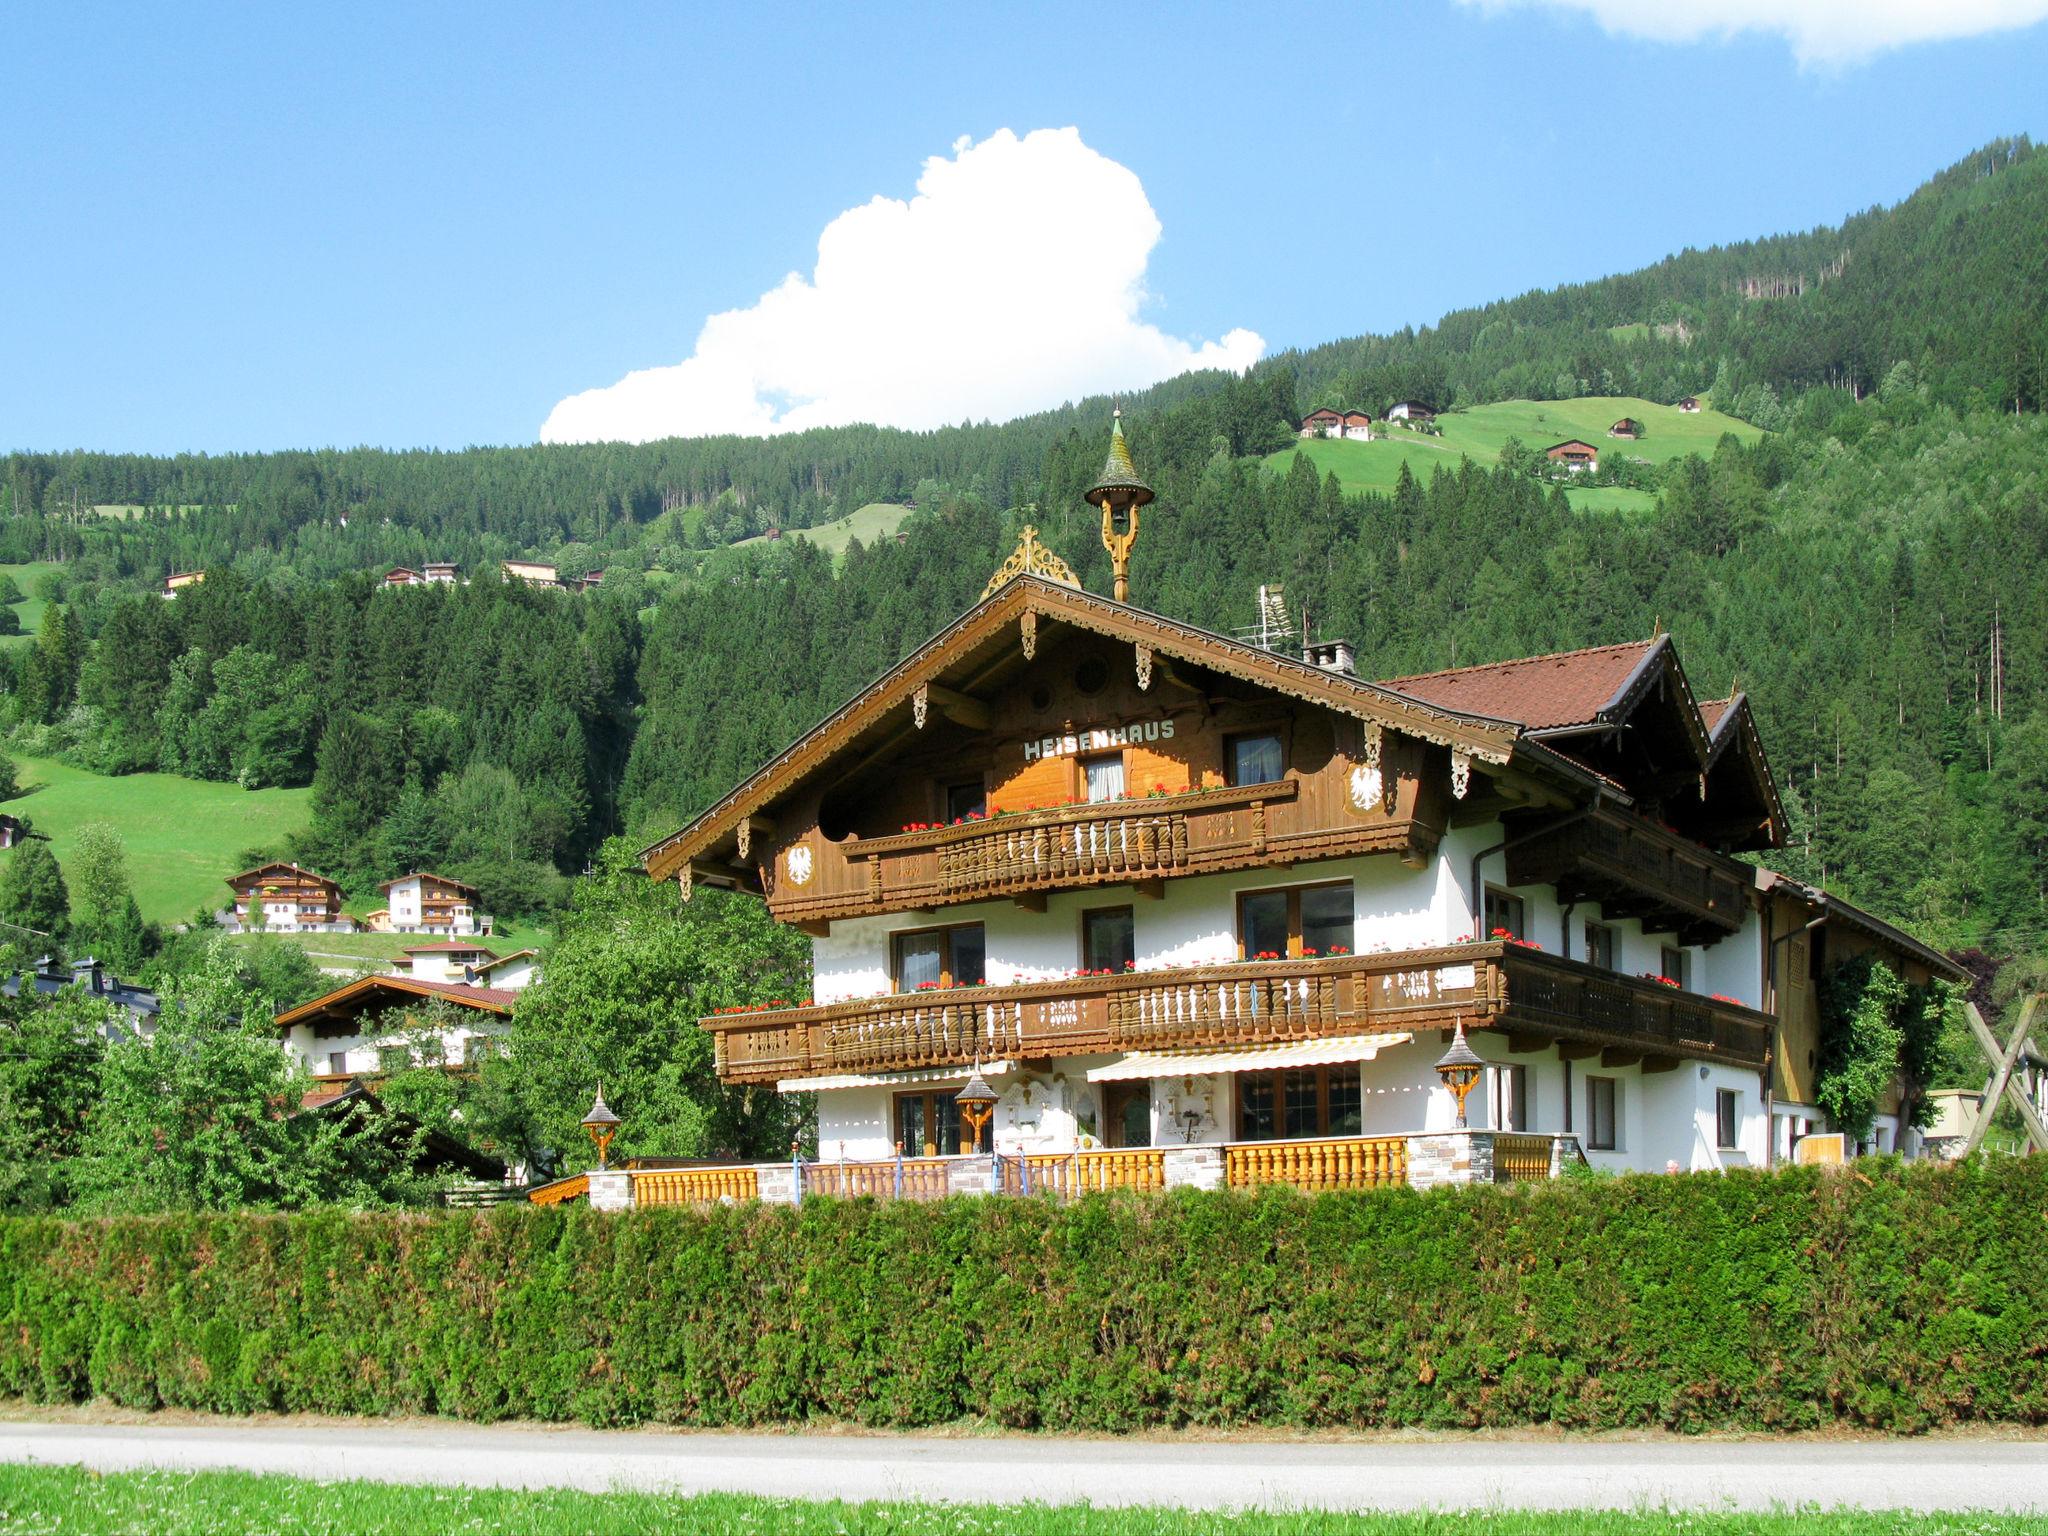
x: 368, y: 992
x: 1711, y: 711
x: 1541, y: 692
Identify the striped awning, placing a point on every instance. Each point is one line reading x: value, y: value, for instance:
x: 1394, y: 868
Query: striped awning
x: 1249, y: 1058
x: 888, y: 1079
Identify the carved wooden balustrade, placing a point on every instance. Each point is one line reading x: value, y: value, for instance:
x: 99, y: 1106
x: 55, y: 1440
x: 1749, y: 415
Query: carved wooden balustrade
x: 1519, y: 1156
x: 695, y: 1186
x: 1247, y: 1003
x: 1023, y: 853
x: 1083, y: 1173
x: 1632, y: 866
x: 1341, y: 1162
x: 1250, y: 1003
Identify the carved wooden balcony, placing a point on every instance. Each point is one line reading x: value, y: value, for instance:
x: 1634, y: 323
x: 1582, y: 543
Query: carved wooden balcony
x: 1031, y: 853
x: 1635, y: 868
x: 1532, y: 995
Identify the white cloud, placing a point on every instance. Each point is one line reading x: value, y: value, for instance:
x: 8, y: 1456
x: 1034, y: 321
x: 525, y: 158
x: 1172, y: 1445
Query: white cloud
x: 1821, y: 32
x: 1010, y: 282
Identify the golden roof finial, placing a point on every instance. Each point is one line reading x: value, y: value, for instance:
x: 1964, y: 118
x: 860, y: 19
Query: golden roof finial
x: 1031, y: 558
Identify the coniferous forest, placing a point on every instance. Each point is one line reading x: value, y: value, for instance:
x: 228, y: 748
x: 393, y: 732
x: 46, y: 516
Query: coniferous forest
x: 1871, y: 571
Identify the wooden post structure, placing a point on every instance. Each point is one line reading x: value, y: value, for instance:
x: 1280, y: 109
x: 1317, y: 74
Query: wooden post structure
x: 1119, y: 492
x: 2000, y: 1084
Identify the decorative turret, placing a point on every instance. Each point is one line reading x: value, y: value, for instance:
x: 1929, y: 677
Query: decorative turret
x: 1119, y: 492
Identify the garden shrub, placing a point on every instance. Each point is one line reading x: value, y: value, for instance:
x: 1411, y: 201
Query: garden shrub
x: 1880, y: 1296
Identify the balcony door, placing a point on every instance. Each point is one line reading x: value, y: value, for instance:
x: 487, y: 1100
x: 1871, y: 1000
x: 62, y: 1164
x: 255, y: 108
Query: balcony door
x: 928, y: 958
x: 928, y: 1124
x: 1127, y: 1114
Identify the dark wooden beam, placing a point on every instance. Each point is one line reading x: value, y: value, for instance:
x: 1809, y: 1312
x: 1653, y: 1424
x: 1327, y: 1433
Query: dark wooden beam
x: 1527, y: 1045
x: 1654, y: 1064
x: 817, y: 928
x: 1031, y: 901
x: 1151, y: 890
x: 1610, y: 1056
x: 1576, y: 1050
x: 960, y: 708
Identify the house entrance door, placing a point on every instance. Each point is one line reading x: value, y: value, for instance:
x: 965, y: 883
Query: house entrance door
x: 1129, y: 1115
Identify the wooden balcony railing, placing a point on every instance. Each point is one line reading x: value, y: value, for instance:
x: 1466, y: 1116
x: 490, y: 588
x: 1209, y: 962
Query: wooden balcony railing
x: 1248, y: 1003
x: 575, y: 1187
x: 1483, y: 986
x: 1083, y: 1173
x: 1117, y: 842
x: 1634, y: 867
x: 904, y: 1178
x: 1343, y: 1162
x: 695, y: 1186
x: 1581, y: 1002
x: 1518, y: 1158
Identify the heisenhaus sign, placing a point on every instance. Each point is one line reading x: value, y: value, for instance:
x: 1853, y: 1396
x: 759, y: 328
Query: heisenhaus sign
x: 1098, y: 739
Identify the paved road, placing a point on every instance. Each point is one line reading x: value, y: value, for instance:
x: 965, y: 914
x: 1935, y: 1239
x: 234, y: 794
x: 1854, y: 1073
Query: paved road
x: 2008, y: 1475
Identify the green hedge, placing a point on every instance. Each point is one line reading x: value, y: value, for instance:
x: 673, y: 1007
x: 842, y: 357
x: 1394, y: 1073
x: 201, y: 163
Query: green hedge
x: 1899, y: 1298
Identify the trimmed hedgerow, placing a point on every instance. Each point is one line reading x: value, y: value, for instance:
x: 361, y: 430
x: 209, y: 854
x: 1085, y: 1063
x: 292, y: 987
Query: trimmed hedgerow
x: 1889, y: 1297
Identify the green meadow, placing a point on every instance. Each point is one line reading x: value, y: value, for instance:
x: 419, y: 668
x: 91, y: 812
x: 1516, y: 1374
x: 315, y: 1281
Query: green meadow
x: 371, y: 949
x: 184, y: 836
x: 45, y: 1500
x: 878, y: 519
x: 30, y: 609
x: 1480, y: 433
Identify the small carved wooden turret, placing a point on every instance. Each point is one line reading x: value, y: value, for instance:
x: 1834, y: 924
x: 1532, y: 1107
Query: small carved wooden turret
x: 1119, y: 492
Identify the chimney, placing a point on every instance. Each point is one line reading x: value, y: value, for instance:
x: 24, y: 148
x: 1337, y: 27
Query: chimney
x: 86, y: 973
x: 1330, y: 655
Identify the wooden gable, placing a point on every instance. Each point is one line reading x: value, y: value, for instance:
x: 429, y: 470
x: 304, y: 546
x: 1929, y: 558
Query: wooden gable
x: 1011, y: 701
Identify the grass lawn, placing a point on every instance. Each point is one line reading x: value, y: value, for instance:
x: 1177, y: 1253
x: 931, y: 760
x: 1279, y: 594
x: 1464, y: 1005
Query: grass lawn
x: 1481, y: 433
x: 30, y: 609
x: 330, y: 949
x: 183, y: 836
x: 875, y: 520
x: 68, y: 1499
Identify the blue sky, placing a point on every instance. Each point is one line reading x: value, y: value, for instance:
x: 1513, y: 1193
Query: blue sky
x: 247, y: 228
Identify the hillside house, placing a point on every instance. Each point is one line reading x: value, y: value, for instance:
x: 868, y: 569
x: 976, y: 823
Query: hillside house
x: 371, y: 1026
x: 440, y: 573
x: 1575, y: 456
x: 508, y: 973
x: 427, y: 903
x: 1411, y: 410
x: 403, y: 576
x: 1201, y: 912
x: 448, y: 960
x: 1690, y: 405
x: 1358, y: 425
x: 178, y: 581
x: 284, y: 898
x: 1628, y: 427
x: 138, y: 1007
x: 11, y: 830
x: 1323, y: 423
x: 533, y: 572
x: 589, y: 581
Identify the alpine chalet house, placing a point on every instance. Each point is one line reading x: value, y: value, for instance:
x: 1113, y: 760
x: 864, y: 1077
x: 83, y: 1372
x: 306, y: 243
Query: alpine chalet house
x: 285, y: 898
x: 362, y: 1028
x: 1193, y: 911
x: 1574, y: 455
x: 427, y: 903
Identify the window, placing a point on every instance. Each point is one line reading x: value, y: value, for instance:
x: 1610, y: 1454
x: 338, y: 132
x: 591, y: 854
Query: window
x: 1727, y: 1118
x: 337, y: 1063
x: 1817, y: 955
x: 1600, y: 945
x: 928, y: 1124
x: 1305, y: 1101
x: 1127, y: 1114
x: 940, y: 957
x: 1108, y: 940
x: 1600, y: 1114
x: 1302, y: 920
x: 1676, y: 964
x: 965, y: 800
x: 1253, y: 759
x: 1504, y: 910
x: 1511, y: 1098
x: 1105, y: 777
